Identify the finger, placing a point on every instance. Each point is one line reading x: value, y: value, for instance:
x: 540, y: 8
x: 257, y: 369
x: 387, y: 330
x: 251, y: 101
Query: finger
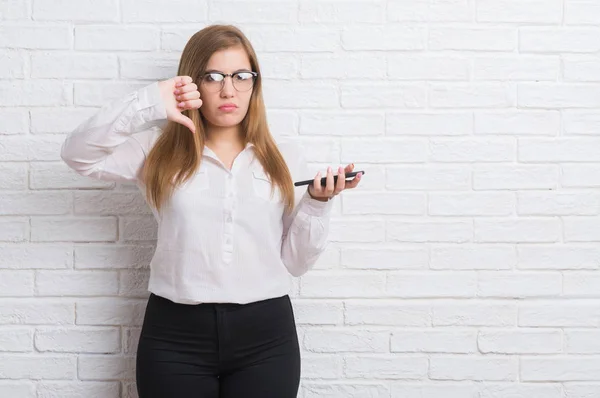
x: 349, y: 168
x: 188, y: 96
x: 316, y: 188
x: 183, y: 80
x: 186, y: 121
x: 330, y: 185
x: 187, y: 88
x: 192, y: 104
x: 354, y: 182
x: 341, y: 180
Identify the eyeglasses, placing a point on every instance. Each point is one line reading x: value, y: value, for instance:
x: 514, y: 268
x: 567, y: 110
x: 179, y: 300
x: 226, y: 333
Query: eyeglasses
x: 242, y: 80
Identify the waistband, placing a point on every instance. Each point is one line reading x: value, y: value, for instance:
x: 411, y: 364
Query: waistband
x: 156, y: 299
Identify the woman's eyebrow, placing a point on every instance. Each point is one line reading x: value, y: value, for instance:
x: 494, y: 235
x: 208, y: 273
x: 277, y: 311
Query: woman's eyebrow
x: 218, y: 71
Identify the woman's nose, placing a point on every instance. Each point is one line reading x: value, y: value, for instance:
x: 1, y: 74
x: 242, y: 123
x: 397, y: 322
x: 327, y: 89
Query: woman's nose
x: 228, y: 89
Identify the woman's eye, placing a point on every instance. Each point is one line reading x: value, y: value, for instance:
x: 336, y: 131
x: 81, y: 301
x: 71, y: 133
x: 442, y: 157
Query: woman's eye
x: 244, y: 76
x: 214, y: 77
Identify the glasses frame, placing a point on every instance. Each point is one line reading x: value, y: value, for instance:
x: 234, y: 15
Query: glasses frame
x: 225, y: 75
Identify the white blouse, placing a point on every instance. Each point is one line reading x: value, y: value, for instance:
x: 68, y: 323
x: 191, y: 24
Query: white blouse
x: 221, y: 237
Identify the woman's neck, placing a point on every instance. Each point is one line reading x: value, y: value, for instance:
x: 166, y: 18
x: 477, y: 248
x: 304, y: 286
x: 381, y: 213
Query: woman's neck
x: 226, y: 143
x: 224, y: 138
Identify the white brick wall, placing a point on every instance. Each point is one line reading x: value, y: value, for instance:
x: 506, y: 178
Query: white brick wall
x: 464, y: 267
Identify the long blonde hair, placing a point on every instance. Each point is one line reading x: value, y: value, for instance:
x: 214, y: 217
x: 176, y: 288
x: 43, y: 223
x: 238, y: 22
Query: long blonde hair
x: 177, y: 153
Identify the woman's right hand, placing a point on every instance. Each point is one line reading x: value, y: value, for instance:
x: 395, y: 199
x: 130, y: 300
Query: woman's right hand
x: 179, y: 94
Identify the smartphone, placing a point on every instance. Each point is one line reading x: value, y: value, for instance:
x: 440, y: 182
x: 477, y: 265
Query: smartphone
x: 324, y: 179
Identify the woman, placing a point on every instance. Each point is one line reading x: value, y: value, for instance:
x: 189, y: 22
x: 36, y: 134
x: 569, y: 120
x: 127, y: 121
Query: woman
x: 231, y: 229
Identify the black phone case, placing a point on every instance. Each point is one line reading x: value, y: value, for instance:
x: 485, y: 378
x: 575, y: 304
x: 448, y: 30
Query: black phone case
x: 324, y: 179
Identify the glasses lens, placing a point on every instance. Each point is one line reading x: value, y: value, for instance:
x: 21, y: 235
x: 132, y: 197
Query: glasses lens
x: 213, y: 81
x: 243, y: 81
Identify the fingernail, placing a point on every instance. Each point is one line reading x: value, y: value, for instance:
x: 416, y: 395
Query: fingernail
x: 176, y: 91
x: 181, y: 104
x: 340, y: 170
x: 329, y: 169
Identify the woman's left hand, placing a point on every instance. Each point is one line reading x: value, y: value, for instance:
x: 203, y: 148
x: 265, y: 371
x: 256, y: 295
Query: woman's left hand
x: 324, y: 193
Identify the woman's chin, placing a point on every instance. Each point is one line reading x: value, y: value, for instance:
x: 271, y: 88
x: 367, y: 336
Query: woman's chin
x: 225, y: 123
x: 227, y: 120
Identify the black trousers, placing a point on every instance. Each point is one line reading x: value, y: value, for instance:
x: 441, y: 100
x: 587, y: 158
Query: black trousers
x: 218, y: 350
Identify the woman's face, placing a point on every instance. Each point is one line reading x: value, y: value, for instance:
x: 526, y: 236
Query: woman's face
x: 226, y: 106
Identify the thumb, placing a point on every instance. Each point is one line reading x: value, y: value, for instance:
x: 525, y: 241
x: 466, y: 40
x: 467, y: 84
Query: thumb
x: 186, y: 121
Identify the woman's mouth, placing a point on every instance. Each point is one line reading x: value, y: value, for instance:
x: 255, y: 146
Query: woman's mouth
x: 228, y: 107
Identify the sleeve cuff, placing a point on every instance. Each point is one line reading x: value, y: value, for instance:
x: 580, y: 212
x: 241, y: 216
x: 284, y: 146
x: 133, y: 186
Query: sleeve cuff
x: 315, y: 207
x: 151, y: 103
